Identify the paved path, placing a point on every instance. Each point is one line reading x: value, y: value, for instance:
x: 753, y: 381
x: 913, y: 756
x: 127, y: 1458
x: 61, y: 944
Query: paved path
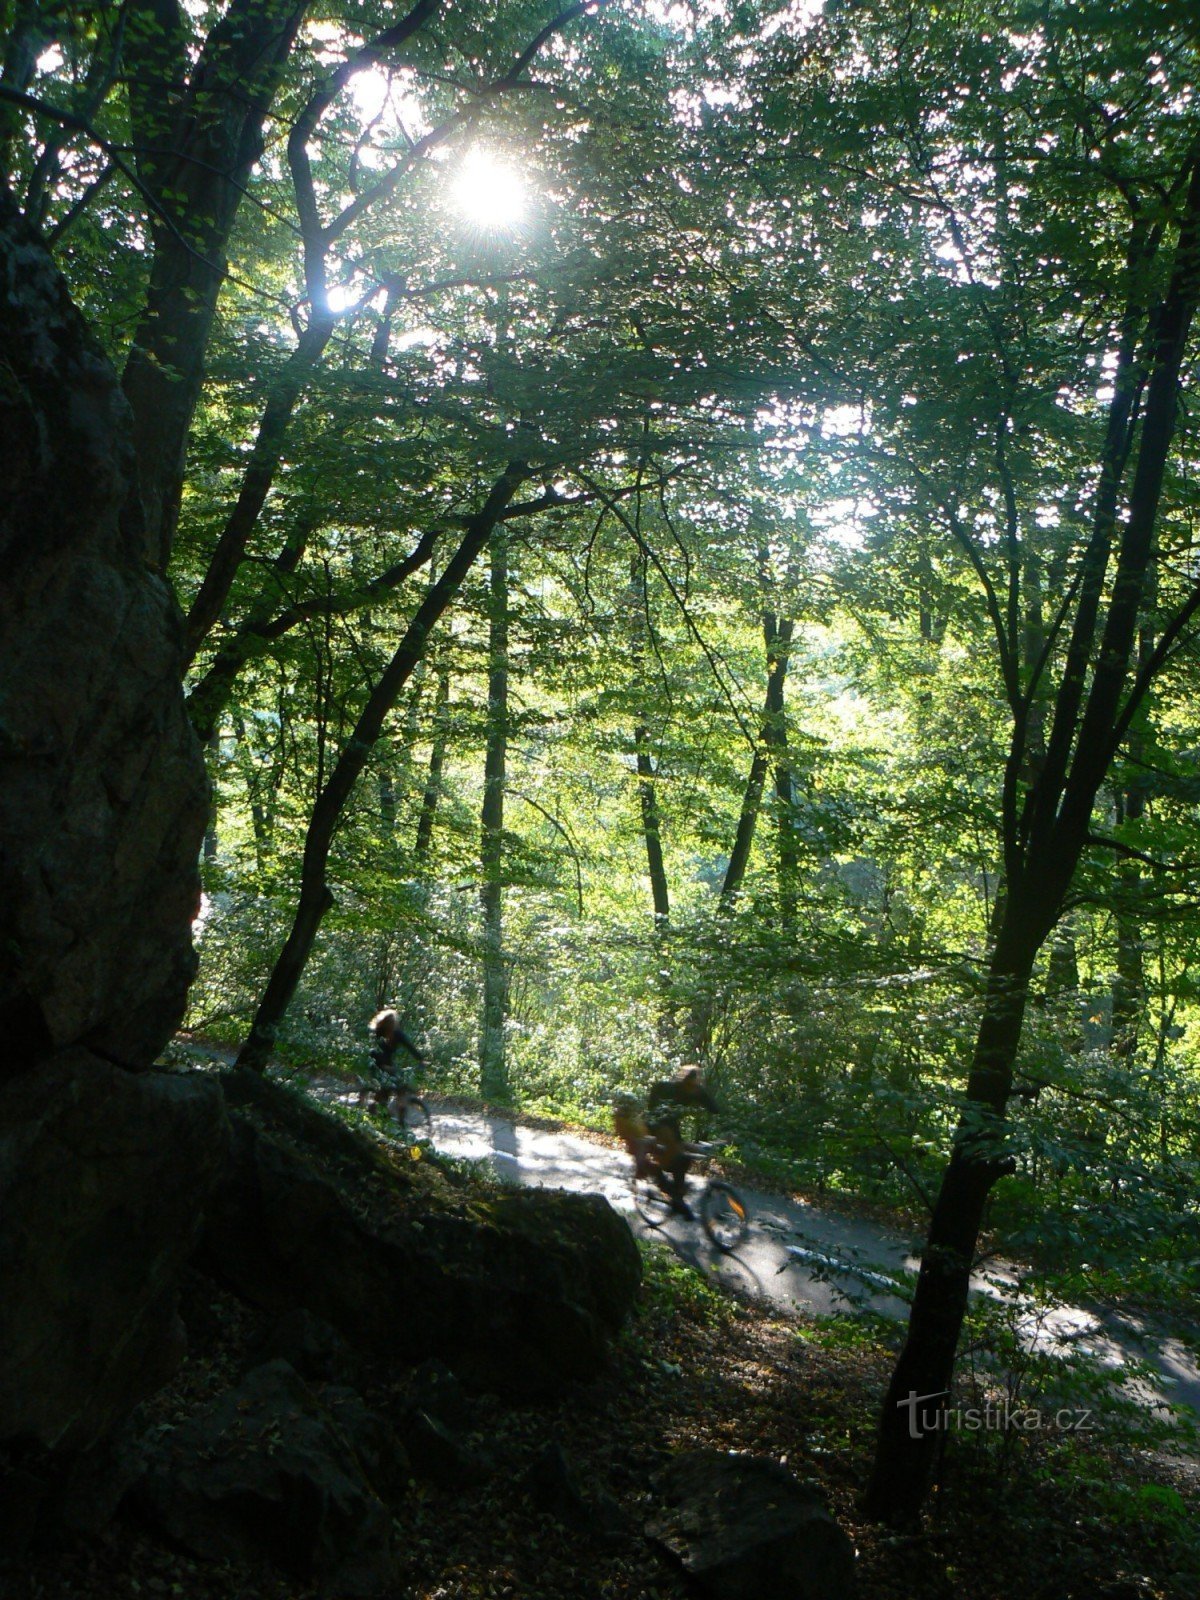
x: 798, y: 1256
x: 803, y: 1257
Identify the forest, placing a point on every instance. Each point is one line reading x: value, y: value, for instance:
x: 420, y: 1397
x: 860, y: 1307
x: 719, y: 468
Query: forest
x: 637, y: 533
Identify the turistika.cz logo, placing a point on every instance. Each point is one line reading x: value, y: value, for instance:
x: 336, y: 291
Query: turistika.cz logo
x: 998, y: 1416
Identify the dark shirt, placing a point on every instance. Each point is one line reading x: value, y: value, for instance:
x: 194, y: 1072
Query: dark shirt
x: 383, y: 1052
x: 671, y: 1097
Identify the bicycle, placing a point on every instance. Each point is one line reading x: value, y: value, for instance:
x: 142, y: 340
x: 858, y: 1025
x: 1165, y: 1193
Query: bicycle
x: 722, y: 1211
x: 394, y: 1093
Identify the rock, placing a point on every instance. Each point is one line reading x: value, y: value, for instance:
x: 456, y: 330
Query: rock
x: 103, y: 801
x: 434, y: 1388
x: 293, y: 1114
x: 515, y: 1292
x: 566, y: 1226
x: 439, y: 1456
x: 103, y: 795
x: 22, y: 1495
x: 374, y: 1441
x: 743, y: 1528
x: 91, y: 1491
x: 310, y: 1345
x: 103, y: 1177
x: 264, y: 1472
x: 552, y: 1486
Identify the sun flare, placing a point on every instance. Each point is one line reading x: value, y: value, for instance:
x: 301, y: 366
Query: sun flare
x: 488, y: 193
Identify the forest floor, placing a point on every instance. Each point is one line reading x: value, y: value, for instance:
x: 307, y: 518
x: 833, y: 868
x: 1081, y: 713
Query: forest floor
x: 1048, y: 1515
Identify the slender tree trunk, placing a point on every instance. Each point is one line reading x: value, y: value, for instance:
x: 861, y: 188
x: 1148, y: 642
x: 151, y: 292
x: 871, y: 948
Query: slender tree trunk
x: 259, y: 820
x: 398, y: 757
x: 387, y: 801
x: 315, y: 896
x: 910, y: 1425
x: 423, y: 842
x: 651, y: 826
x: 743, y: 839
x: 788, y: 850
x: 777, y: 638
x: 1129, y: 990
x: 646, y: 771
x: 211, y: 842
x: 1129, y: 983
x: 257, y: 479
x: 493, y: 1066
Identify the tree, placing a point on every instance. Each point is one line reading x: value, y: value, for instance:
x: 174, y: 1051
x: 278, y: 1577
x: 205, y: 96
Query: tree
x: 1144, y: 264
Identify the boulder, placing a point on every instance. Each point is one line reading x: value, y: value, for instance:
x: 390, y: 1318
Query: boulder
x: 743, y: 1528
x: 440, y: 1456
x: 316, y: 1350
x: 103, y: 1177
x: 552, y: 1485
x: 434, y: 1389
x: 103, y: 795
x: 103, y: 800
x: 515, y: 1291
x: 265, y: 1472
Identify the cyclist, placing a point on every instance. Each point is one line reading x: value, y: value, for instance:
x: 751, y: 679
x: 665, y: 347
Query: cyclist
x: 655, y: 1140
x: 389, y: 1037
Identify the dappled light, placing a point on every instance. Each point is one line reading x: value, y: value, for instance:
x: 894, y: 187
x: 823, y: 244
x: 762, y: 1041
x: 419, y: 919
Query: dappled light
x: 599, y: 894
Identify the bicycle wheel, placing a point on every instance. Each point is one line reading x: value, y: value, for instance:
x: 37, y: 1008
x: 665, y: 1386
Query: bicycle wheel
x: 373, y: 1098
x: 650, y: 1202
x: 414, y: 1115
x: 723, y: 1215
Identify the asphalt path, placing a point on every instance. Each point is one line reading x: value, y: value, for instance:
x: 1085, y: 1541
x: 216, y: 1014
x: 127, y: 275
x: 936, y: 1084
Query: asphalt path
x: 804, y: 1258
x: 812, y: 1259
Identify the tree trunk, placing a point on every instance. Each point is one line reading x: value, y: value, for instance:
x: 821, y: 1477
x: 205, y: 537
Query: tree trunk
x: 651, y: 827
x: 910, y: 1424
x: 211, y: 840
x: 196, y: 142
x: 788, y: 851
x: 493, y: 1066
x: 423, y: 841
x: 260, y: 820
x: 315, y: 896
x: 777, y: 638
x: 647, y: 775
x: 280, y: 406
x: 1129, y: 989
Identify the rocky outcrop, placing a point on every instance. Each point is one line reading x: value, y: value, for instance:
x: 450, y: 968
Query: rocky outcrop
x: 270, y: 1472
x: 103, y: 1171
x: 102, y: 789
x: 515, y: 1291
x: 103, y: 1174
x: 743, y: 1528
